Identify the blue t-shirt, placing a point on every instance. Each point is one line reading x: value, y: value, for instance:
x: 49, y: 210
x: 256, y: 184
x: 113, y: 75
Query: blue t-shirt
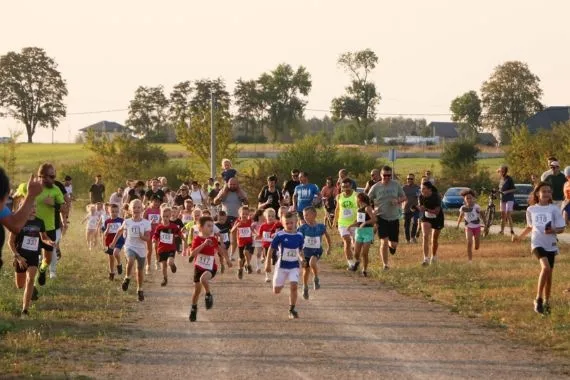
x: 287, y: 246
x: 305, y: 195
x: 506, y: 184
x: 5, y: 212
x: 318, y: 230
x: 229, y: 174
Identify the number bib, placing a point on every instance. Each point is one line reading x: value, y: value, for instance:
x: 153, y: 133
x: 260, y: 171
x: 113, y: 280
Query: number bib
x: 289, y: 254
x: 166, y: 237
x: 225, y: 237
x: 541, y: 220
x: 135, y: 230
x: 347, y: 213
x: 114, y: 227
x: 429, y: 215
x: 361, y: 217
x: 186, y: 219
x: 204, y: 261
x: 30, y: 243
x: 244, y: 232
x: 154, y: 218
x: 267, y: 236
x: 312, y: 242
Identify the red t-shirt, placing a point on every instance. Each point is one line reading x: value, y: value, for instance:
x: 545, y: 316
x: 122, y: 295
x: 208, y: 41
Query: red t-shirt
x: 244, y: 232
x: 153, y: 216
x: 165, y: 235
x: 267, y: 231
x: 115, y: 224
x: 206, y: 259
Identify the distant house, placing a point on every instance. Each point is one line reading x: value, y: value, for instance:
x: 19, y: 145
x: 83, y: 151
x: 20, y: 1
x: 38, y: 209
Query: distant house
x: 109, y: 129
x: 547, y: 118
x: 444, y: 130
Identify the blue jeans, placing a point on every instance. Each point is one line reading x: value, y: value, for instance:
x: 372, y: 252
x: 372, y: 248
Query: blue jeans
x: 411, y: 220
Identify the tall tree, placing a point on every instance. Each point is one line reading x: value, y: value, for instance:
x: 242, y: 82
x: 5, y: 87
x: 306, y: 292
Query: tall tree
x: 32, y: 89
x: 510, y: 96
x: 359, y: 103
x: 148, y: 116
x: 250, y: 108
x: 179, y: 104
x: 283, y: 92
x: 466, y: 110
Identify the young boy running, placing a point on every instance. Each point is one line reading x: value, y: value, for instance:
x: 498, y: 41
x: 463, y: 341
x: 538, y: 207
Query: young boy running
x: 267, y: 232
x: 245, y: 240
x: 204, y: 248
x: 152, y: 214
x: 313, y: 233
x: 164, y: 239
x: 27, y: 249
x: 112, y: 225
x: 288, y: 244
x: 224, y: 227
x: 175, y: 218
x: 137, y: 230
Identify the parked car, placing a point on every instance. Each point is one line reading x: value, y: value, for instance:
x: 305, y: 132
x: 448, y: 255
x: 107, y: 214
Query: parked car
x: 521, y: 195
x: 452, y: 197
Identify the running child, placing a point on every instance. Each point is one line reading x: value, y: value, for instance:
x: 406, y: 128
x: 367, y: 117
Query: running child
x: 137, y: 230
x: 313, y: 233
x: 224, y: 226
x: 204, y: 248
x: 544, y: 220
x: 267, y: 231
x: 175, y: 218
x: 92, y: 220
x: 257, y: 246
x: 164, y: 240
x: 27, y: 250
x: 364, y: 235
x: 245, y: 240
x: 432, y: 221
x: 470, y: 213
x: 288, y: 245
x: 191, y: 228
x: 112, y: 225
x: 186, y: 213
x: 152, y: 214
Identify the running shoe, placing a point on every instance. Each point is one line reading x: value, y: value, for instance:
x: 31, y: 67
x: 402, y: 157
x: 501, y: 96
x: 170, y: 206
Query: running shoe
x: 425, y: 263
x: 147, y: 270
x: 141, y: 295
x: 258, y: 271
x: 193, y: 314
x: 433, y: 260
x: 42, y: 278
x: 120, y: 269
x: 306, y: 292
x: 386, y: 267
x: 240, y: 273
x: 356, y: 264
x: 538, y: 306
x: 392, y: 250
x: 209, y: 301
x: 35, y: 294
x: 52, y: 275
x: 249, y: 269
x: 173, y: 268
x: 24, y: 314
x: 414, y: 240
x: 111, y: 276
x: 293, y: 314
x: 364, y: 273
x: 317, y: 283
x: 125, y: 285
x: 267, y: 279
x: 164, y: 282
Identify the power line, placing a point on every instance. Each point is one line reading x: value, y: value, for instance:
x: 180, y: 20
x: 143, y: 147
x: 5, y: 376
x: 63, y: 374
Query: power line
x: 100, y: 111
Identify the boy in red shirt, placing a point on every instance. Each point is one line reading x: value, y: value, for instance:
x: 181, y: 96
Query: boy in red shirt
x: 164, y: 238
x: 204, y: 249
x: 267, y: 231
x: 245, y: 240
x: 152, y: 214
x: 111, y: 227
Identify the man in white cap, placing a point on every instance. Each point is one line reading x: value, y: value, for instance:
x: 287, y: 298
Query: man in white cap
x: 507, y: 189
x: 556, y: 180
x: 550, y: 160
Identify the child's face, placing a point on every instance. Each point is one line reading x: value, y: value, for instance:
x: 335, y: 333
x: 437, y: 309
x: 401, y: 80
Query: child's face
x: 155, y: 203
x: 137, y: 209
x: 468, y: 199
x: 244, y: 214
x: 222, y: 219
x: 196, y: 214
x: 92, y: 210
x: 175, y: 213
x: 114, y: 212
x: 270, y: 218
x: 165, y: 214
x: 282, y: 211
x: 99, y: 206
x: 207, y: 228
x: 188, y: 206
x: 545, y: 194
x: 289, y: 223
x: 309, y: 216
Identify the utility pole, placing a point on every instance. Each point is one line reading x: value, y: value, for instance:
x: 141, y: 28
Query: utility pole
x: 212, y: 137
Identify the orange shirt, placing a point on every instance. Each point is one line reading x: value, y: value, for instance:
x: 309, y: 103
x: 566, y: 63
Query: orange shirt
x: 567, y: 191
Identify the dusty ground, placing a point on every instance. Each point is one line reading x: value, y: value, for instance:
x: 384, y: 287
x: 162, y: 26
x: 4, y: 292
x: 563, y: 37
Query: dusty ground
x: 351, y: 328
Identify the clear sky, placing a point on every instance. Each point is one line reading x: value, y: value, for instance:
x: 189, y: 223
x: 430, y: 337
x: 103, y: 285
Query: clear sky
x: 430, y: 51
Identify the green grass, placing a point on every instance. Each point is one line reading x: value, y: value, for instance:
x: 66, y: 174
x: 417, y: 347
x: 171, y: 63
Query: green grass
x: 420, y: 165
x: 77, y: 320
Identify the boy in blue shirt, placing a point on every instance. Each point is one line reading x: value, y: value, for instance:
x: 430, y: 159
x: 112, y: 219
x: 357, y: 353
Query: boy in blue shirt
x: 312, y: 248
x: 288, y: 244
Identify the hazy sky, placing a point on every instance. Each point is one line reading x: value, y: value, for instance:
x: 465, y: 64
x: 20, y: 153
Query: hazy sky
x: 430, y: 51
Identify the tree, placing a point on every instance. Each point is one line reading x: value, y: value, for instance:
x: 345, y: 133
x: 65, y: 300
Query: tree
x: 32, y: 89
x: 196, y: 138
x: 510, y: 96
x: 250, y: 110
x: 459, y: 163
x: 148, y: 116
x: 359, y: 103
x: 282, y: 92
x: 179, y: 103
x: 466, y: 110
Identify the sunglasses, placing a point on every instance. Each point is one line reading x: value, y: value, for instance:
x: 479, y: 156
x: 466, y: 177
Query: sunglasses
x: 386, y: 175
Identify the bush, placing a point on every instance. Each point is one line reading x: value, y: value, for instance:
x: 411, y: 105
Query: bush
x: 459, y: 166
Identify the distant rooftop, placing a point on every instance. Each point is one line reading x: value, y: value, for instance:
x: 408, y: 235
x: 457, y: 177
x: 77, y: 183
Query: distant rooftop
x: 105, y: 127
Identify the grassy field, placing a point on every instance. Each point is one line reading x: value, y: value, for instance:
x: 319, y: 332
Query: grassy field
x: 498, y: 288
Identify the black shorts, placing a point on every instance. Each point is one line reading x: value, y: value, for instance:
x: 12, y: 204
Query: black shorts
x: 109, y: 251
x: 178, y: 242
x: 248, y: 248
x: 198, y: 272
x: 388, y: 229
x: 164, y: 256
x: 53, y: 237
x: 540, y: 252
x: 435, y: 223
x: 32, y: 259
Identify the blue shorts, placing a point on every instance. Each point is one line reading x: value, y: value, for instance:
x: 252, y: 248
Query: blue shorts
x: 310, y: 252
x: 120, y: 243
x: 567, y: 209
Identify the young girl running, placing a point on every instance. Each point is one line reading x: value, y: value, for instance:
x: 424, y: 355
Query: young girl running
x: 470, y: 213
x: 26, y: 246
x: 137, y: 232
x: 164, y: 239
x: 186, y: 213
x: 257, y: 246
x: 92, y: 220
x: 152, y: 214
x: 288, y: 245
x: 267, y: 232
x: 432, y: 220
x: 224, y: 226
x: 111, y: 227
x: 544, y: 220
x: 364, y: 235
x: 313, y: 233
x: 191, y: 228
x: 204, y: 248
x: 245, y: 240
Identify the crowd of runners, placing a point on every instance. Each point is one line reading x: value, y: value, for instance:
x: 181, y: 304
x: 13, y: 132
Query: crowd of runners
x: 147, y: 226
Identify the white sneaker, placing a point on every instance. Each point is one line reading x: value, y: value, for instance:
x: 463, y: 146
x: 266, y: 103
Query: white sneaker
x: 147, y: 270
x: 52, y: 275
x: 433, y: 260
x: 267, y: 279
x: 414, y: 240
x: 425, y: 262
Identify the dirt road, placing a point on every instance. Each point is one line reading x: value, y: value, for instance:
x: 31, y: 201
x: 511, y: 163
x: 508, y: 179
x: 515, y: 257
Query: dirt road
x: 351, y: 328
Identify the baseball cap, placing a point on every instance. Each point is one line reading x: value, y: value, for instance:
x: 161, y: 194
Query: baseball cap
x: 567, y: 171
x: 555, y: 163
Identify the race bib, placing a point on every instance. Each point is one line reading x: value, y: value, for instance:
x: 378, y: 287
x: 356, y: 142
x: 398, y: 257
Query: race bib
x: 244, y: 232
x: 429, y: 215
x: 114, y: 227
x: 166, y: 237
x: 225, y: 237
x: 204, y: 261
x: 92, y: 224
x: 290, y: 254
x: 347, y: 213
x: 186, y: 219
x: 361, y: 217
x: 154, y: 218
x: 135, y: 230
x: 312, y: 242
x: 30, y: 243
x: 267, y: 236
x: 541, y: 220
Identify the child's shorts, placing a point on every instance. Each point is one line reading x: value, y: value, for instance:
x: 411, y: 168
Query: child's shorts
x: 282, y: 275
x: 476, y: 231
x: 164, y: 256
x: 365, y: 235
x: 139, y: 257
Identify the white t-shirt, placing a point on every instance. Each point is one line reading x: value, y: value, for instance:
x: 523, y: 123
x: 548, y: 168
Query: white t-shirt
x: 471, y: 216
x: 92, y: 221
x: 116, y: 199
x: 537, y: 217
x: 197, y: 197
x: 69, y: 189
x: 134, y: 230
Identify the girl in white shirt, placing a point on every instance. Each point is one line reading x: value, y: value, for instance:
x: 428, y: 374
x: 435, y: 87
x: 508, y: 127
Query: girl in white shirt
x: 544, y: 220
x: 470, y: 214
x: 92, y: 220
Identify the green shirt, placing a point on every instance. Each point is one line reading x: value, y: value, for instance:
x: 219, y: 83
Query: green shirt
x: 383, y: 196
x: 348, y: 208
x: 43, y: 211
x: 556, y: 181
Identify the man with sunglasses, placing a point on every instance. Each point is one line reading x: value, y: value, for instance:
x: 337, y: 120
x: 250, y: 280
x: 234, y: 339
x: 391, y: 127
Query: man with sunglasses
x: 387, y: 196
x: 411, y: 213
x: 556, y: 180
x: 292, y: 183
x: 374, y: 179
